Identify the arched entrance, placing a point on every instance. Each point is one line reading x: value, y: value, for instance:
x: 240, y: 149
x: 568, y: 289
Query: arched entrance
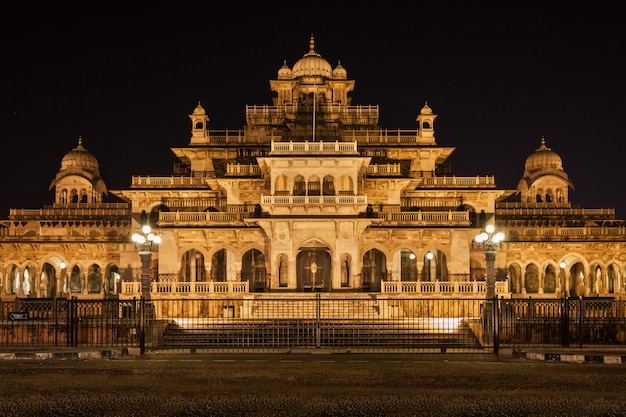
x: 253, y: 270
x: 314, y: 269
x: 374, y: 270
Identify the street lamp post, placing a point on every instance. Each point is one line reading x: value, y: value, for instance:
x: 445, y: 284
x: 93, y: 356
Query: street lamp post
x: 489, y: 241
x: 147, y: 242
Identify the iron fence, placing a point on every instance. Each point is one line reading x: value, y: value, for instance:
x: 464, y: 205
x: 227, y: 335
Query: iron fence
x: 47, y: 322
x: 562, y: 322
x: 315, y: 321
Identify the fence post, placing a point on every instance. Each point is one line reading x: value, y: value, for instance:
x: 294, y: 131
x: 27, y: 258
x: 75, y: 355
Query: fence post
x: 581, y: 306
x: 318, y: 340
x: 565, y: 322
x: 72, y: 331
x: 142, y: 325
x: 496, y: 324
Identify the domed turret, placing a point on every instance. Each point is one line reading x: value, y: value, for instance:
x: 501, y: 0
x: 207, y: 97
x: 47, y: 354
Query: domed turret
x: 426, y: 123
x: 199, y: 110
x: 79, y: 159
x: 284, y: 73
x: 79, y: 179
x: 312, y: 64
x: 340, y: 73
x: 199, y: 121
x: 543, y: 158
x: 544, y: 180
x: 426, y: 109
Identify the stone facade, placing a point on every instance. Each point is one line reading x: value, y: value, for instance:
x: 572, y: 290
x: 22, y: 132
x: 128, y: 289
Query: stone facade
x: 312, y: 195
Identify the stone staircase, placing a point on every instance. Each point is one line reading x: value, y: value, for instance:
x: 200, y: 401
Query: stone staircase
x: 312, y: 309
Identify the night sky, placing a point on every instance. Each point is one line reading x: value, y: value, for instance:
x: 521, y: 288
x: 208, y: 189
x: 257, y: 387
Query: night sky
x: 125, y: 78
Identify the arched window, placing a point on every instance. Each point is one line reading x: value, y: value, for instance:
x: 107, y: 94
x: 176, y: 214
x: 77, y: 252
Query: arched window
x: 549, y: 196
x: 328, y: 187
x: 280, y: 186
x: 314, y: 186
x: 299, y: 186
x: 193, y: 266
x: 94, y: 280
x: 76, y: 284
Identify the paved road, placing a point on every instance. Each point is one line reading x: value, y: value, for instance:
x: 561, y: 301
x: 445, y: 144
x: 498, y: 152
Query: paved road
x: 305, y: 384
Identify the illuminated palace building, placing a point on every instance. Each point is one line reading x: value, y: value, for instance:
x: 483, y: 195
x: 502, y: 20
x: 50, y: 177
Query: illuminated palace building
x: 312, y: 195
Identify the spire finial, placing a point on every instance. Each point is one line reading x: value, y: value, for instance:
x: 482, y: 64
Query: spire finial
x: 543, y: 145
x: 80, y: 140
x: 312, y: 43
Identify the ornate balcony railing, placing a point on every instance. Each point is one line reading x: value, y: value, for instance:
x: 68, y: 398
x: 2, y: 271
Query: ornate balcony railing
x: 384, y: 170
x: 454, y: 181
x: 442, y: 287
x: 180, y: 218
x: 314, y: 147
x: 563, y: 233
x: 239, y: 170
x: 461, y: 218
x: 227, y: 287
x: 416, y: 287
x: 314, y: 199
x: 82, y: 211
x: 165, y: 182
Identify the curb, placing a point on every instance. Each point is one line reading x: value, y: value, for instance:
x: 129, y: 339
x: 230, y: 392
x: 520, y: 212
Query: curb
x: 102, y: 354
x: 606, y: 358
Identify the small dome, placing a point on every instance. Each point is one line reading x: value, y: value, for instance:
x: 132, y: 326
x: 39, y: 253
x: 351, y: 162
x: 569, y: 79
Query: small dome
x: 199, y: 110
x: 543, y: 158
x: 340, y: 73
x: 284, y: 73
x: 426, y: 109
x: 79, y: 158
x: 312, y: 64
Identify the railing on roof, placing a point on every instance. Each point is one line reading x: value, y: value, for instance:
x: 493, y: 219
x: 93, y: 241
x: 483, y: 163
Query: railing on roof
x: 172, y: 181
x: 387, y: 137
x: 72, y: 210
x: 197, y: 218
x: 242, y: 170
x: 542, y: 209
x: 314, y: 147
x: 557, y: 232
x: 426, y: 217
x: 454, y: 181
x: 384, y: 169
x: 314, y: 199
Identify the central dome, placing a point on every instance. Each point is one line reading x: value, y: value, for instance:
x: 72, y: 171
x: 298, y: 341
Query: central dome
x: 543, y: 158
x: 312, y: 64
x: 79, y: 158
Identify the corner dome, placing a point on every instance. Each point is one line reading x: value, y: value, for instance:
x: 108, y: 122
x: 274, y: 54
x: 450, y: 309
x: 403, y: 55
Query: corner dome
x: 79, y: 159
x: 543, y: 158
x: 340, y: 73
x: 312, y: 64
x: 543, y: 163
x: 284, y: 73
x: 80, y: 163
x: 426, y: 109
x: 199, y: 110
